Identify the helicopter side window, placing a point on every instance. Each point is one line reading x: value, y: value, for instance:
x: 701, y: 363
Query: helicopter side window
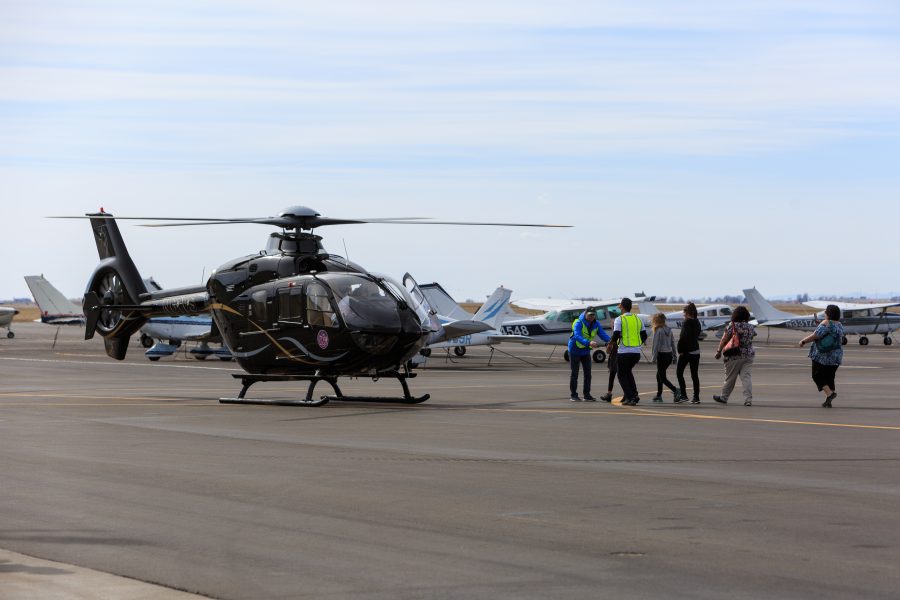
x: 318, y: 307
x: 290, y: 305
x: 258, y: 306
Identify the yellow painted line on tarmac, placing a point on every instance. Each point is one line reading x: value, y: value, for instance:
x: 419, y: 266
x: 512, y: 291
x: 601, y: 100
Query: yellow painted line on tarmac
x: 656, y: 413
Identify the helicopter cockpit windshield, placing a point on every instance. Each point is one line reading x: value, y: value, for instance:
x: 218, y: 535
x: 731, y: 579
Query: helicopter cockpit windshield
x: 363, y: 302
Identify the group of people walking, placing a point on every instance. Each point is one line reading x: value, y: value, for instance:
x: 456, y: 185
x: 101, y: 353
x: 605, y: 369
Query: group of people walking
x: 736, y: 348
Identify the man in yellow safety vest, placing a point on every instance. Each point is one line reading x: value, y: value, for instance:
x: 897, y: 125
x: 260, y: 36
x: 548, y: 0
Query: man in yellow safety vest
x: 628, y: 336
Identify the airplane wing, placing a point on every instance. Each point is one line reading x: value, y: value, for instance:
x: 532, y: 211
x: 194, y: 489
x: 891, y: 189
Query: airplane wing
x: 549, y: 304
x: 822, y: 304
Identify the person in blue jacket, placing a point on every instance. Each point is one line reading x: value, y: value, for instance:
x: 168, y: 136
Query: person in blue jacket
x: 585, y: 331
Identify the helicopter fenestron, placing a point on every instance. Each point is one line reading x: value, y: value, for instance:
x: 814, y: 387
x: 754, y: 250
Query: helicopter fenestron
x: 292, y: 312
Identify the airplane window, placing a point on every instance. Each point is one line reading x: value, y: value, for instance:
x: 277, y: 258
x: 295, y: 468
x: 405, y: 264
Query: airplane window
x: 614, y: 312
x: 318, y: 307
x: 569, y: 316
x: 552, y: 315
x: 601, y: 314
x: 712, y: 312
x: 725, y: 312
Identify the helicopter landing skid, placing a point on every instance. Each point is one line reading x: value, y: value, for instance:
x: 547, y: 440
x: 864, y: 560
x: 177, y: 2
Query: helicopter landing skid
x: 249, y: 380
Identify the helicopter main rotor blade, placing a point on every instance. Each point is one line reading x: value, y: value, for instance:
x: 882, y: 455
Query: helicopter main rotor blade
x: 306, y: 221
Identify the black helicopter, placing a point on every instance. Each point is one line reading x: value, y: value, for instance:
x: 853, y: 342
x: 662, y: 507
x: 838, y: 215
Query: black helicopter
x: 292, y: 312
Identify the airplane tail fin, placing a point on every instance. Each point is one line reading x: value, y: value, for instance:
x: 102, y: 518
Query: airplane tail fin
x: 443, y: 303
x: 763, y: 309
x: 496, y: 308
x: 51, y: 302
x: 113, y: 290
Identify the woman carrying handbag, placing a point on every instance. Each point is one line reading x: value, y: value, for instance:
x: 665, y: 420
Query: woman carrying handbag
x: 737, y: 346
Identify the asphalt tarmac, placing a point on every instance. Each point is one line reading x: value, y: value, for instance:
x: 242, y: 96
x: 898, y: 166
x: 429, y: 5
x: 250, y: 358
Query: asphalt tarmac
x: 497, y: 487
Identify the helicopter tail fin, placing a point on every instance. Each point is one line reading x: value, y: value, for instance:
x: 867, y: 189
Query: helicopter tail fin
x: 113, y: 290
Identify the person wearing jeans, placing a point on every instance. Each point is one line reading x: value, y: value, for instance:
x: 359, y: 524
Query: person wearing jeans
x: 738, y: 361
x: 585, y: 330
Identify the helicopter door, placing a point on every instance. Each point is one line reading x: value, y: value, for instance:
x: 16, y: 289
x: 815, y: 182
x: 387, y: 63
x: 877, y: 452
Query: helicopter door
x: 290, y: 306
x: 319, y: 311
x: 420, y: 303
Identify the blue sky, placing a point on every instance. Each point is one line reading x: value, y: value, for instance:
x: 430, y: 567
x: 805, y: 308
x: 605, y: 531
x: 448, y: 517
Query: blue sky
x: 661, y: 130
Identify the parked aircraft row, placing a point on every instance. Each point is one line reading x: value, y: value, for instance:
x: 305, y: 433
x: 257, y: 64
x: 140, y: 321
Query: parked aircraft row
x: 494, y: 323
x: 555, y: 326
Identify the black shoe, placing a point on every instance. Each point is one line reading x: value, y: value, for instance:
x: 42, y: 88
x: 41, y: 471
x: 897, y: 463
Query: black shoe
x: 657, y: 399
x: 574, y: 398
x: 635, y: 400
x: 695, y: 401
x: 626, y: 402
x: 827, y: 403
x: 589, y: 398
x: 681, y: 399
x: 606, y: 397
x: 719, y: 399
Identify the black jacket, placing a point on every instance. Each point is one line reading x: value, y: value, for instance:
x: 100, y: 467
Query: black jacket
x: 689, y: 340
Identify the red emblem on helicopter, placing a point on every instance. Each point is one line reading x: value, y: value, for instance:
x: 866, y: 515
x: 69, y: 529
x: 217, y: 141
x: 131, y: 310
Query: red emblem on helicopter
x: 322, y: 339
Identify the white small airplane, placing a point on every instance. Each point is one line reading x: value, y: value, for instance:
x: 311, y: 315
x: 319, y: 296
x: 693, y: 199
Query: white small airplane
x: 6, y: 316
x: 857, y: 319
x: 494, y: 312
x: 711, y: 316
x: 554, y: 327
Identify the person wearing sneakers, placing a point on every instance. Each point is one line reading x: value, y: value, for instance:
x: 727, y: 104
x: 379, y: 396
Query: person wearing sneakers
x: 738, y: 361
x: 826, y: 352
x: 628, y: 337
x: 585, y: 330
x: 689, y: 353
x: 662, y: 354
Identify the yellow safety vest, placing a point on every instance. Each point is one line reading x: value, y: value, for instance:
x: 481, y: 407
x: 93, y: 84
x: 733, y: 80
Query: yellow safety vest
x: 585, y: 333
x: 631, y: 331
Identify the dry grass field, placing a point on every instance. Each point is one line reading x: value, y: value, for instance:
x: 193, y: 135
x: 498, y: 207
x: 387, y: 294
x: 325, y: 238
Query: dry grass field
x: 27, y: 312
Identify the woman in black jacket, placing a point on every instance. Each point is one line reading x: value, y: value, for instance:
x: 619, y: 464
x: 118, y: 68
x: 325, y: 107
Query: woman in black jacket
x: 689, y: 353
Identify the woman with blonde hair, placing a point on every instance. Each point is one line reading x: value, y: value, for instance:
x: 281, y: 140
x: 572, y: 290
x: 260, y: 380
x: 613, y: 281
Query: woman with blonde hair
x: 662, y: 355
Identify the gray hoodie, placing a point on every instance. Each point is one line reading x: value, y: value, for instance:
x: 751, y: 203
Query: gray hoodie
x: 663, y: 341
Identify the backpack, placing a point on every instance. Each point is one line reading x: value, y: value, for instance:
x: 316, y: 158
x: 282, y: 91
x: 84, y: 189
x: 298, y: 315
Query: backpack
x: 830, y: 341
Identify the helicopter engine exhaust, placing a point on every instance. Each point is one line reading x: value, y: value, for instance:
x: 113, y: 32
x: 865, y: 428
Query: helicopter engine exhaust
x: 113, y: 290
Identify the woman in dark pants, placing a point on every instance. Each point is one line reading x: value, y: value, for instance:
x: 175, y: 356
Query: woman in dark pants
x: 826, y: 352
x: 611, y: 365
x: 689, y: 353
x: 662, y: 355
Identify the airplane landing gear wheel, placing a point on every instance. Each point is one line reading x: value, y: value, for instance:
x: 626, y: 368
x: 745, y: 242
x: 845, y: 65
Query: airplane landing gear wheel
x: 10, y: 335
x: 863, y: 341
x: 200, y: 356
x: 459, y: 351
x: 599, y: 356
x: 146, y: 341
x: 426, y: 352
x: 844, y: 341
x: 566, y: 356
x: 153, y: 358
x: 888, y: 341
